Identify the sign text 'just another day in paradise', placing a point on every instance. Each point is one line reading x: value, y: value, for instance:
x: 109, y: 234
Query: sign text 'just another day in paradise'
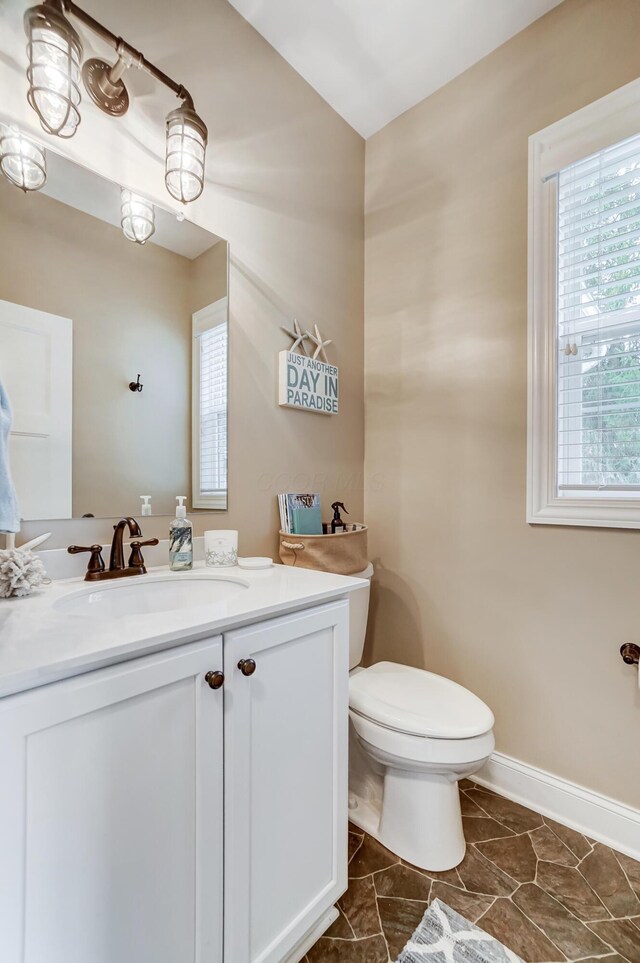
x: 308, y: 383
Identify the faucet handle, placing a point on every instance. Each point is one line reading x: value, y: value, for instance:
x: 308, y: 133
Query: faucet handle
x: 96, y: 562
x: 135, y: 559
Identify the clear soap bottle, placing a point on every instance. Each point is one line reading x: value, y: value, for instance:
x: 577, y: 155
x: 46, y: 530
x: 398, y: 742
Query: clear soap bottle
x: 181, y: 539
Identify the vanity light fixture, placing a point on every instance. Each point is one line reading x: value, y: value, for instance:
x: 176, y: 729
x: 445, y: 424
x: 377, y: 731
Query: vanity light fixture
x: 55, y: 54
x: 138, y: 217
x: 55, y: 51
x: 186, y: 146
x: 22, y: 161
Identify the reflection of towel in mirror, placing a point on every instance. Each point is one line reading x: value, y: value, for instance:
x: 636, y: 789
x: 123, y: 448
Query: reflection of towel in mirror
x: 9, y: 511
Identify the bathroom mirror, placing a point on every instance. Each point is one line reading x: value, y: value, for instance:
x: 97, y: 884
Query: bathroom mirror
x: 113, y: 353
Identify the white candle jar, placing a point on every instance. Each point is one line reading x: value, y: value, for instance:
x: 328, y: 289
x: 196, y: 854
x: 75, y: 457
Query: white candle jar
x: 221, y: 548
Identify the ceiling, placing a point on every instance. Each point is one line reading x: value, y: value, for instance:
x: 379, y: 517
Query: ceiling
x: 373, y: 59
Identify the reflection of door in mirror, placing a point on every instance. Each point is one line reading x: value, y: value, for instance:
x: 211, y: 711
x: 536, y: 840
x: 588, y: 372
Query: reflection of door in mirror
x: 82, y: 442
x: 36, y: 371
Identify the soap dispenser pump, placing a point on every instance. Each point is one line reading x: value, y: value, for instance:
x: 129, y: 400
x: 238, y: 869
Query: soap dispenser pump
x: 180, y: 539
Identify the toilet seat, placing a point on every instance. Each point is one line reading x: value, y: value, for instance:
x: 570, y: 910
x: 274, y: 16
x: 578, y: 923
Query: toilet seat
x: 418, y: 703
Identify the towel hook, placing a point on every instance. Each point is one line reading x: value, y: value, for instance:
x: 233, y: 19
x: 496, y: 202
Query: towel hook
x: 136, y: 385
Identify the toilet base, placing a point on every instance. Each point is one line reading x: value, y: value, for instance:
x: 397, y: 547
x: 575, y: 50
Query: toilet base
x: 411, y: 805
x: 420, y: 819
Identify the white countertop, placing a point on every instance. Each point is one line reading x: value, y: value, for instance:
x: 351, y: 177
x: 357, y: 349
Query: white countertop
x: 39, y: 644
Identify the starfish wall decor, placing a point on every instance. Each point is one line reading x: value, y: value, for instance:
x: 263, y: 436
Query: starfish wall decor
x: 297, y: 336
x: 316, y: 338
x: 305, y: 380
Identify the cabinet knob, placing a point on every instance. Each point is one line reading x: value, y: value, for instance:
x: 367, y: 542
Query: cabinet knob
x: 247, y: 666
x: 215, y: 679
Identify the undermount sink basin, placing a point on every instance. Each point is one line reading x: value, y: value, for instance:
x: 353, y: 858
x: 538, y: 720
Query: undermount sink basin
x: 149, y: 595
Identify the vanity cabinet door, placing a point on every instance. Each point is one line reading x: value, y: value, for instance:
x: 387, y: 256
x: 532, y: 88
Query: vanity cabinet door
x: 111, y: 815
x: 286, y: 725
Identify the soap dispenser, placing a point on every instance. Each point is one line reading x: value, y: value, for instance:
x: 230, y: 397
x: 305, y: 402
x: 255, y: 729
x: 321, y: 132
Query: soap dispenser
x: 146, y: 505
x: 180, y: 539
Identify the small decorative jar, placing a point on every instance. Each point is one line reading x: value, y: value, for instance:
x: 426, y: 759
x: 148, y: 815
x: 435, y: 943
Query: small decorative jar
x: 221, y: 548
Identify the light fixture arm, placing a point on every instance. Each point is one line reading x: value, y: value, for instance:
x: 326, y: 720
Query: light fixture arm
x: 55, y: 64
x: 128, y: 56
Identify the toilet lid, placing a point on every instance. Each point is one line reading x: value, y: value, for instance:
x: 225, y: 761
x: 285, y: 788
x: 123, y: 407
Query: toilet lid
x: 418, y: 702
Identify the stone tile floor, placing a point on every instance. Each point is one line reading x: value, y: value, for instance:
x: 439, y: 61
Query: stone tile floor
x: 545, y: 891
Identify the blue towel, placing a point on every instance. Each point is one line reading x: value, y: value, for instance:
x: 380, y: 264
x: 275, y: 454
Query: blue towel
x: 9, y: 511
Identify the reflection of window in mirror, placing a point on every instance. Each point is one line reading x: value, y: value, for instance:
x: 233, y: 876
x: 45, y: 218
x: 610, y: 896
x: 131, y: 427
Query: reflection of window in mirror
x: 209, y: 423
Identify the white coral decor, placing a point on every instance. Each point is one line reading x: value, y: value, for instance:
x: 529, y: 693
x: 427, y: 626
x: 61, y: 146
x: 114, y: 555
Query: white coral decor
x: 20, y: 573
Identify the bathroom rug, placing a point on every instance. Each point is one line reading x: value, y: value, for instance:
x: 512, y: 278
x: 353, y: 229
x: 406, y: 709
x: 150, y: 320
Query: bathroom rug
x: 444, y: 936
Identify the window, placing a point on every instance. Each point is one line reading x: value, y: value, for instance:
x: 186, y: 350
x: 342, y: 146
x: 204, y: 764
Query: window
x: 584, y: 317
x: 209, y: 441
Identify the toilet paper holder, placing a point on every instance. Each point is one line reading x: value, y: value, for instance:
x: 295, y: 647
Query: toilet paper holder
x: 630, y: 653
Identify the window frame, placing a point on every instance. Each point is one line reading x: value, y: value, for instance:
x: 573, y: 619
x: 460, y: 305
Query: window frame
x: 209, y: 317
x: 601, y: 124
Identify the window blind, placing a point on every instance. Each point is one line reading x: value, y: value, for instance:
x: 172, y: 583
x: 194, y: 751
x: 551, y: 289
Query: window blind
x: 598, y: 324
x: 213, y: 410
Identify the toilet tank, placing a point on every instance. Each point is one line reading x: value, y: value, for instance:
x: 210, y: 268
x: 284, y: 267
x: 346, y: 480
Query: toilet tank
x: 358, y: 612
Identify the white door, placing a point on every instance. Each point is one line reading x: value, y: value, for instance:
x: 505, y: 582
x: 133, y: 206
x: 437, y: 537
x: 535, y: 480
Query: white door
x: 285, y: 780
x: 111, y: 815
x: 36, y: 368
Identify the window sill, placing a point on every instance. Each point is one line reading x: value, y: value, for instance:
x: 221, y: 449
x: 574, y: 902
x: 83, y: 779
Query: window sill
x: 588, y: 512
x: 217, y: 503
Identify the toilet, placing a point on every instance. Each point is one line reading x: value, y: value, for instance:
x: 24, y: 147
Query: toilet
x: 413, y: 735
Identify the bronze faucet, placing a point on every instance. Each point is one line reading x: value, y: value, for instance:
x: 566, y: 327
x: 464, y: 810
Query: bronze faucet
x: 96, y: 569
x: 116, y: 559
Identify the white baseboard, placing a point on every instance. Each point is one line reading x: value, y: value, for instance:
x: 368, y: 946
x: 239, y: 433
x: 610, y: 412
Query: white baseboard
x: 599, y: 817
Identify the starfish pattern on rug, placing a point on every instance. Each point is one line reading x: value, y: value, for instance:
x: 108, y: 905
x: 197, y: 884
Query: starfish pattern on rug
x: 445, y: 936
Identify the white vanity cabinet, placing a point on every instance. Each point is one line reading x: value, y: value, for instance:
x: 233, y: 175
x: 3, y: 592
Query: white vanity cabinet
x: 136, y: 801
x: 111, y: 814
x: 286, y: 728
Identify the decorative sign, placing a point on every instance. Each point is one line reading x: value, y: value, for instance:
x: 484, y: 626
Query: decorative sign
x: 308, y: 383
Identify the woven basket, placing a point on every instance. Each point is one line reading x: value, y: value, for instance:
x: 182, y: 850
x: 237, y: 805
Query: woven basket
x: 344, y: 553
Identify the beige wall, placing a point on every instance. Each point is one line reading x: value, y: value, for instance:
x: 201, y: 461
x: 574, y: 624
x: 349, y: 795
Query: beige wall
x: 285, y: 186
x: 208, y: 278
x: 529, y: 617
